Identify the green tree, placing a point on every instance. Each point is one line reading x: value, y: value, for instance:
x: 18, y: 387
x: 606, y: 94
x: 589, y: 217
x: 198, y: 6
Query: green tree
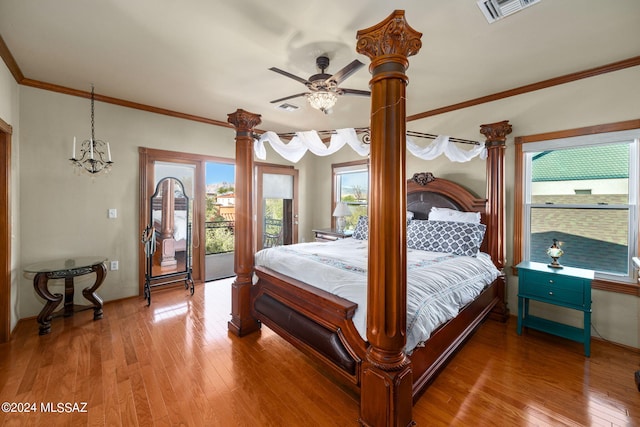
x: 225, y: 187
x: 219, y: 240
x: 351, y: 221
x: 358, y: 192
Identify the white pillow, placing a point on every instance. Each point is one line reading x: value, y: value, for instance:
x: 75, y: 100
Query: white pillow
x: 446, y: 214
x: 409, y: 215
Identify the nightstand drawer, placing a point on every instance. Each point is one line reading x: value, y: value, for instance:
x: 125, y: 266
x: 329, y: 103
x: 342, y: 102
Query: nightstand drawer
x: 556, y: 280
x: 330, y: 235
x: 326, y: 237
x: 560, y: 289
x: 560, y: 294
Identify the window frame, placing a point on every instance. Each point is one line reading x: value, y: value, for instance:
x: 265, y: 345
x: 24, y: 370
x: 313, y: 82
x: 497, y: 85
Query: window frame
x: 337, y: 169
x: 523, y: 144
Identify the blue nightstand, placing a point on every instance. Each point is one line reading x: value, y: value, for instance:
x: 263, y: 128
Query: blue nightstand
x: 565, y: 287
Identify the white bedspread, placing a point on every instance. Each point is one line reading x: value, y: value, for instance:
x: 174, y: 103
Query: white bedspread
x: 438, y: 284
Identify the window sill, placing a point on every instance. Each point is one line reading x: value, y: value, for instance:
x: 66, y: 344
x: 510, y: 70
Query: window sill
x: 619, y: 287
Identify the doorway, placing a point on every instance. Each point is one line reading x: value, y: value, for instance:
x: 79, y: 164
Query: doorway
x: 276, y: 206
x: 194, y: 165
x: 220, y: 220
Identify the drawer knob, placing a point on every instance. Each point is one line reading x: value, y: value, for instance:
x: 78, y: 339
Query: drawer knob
x: 550, y: 293
x: 551, y: 281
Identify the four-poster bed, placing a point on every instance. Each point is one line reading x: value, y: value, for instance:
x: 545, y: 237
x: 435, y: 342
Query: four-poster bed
x: 320, y: 323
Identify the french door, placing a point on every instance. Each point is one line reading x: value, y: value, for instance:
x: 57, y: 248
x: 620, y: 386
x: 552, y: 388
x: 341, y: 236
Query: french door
x: 276, y: 205
x: 191, y: 168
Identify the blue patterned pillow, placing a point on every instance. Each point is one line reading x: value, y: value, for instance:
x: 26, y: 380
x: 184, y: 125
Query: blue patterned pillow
x: 417, y: 233
x: 459, y: 238
x: 361, y: 232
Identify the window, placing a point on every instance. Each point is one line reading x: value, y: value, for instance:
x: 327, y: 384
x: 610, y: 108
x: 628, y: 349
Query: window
x: 351, y: 185
x: 582, y: 191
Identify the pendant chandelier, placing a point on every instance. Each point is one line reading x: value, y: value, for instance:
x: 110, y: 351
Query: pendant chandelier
x: 95, y: 154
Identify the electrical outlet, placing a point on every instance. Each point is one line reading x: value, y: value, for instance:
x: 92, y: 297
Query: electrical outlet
x: 113, y: 213
x: 114, y: 265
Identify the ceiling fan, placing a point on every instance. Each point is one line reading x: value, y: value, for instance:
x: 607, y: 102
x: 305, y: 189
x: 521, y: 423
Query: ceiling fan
x: 323, y: 88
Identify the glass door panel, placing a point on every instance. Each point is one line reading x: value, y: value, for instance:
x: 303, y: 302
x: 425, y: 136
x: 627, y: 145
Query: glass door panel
x: 220, y: 221
x: 277, y: 206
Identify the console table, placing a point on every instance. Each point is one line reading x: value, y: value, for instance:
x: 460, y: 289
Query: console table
x: 565, y: 287
x: 67, y: 269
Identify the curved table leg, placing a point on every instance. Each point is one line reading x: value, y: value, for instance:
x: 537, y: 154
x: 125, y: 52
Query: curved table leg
x: 90, y: 293
x: 53, y: 300
x: 147, y: 291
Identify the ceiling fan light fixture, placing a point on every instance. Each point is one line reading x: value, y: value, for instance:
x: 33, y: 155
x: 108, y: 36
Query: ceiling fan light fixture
x: 321, y: 100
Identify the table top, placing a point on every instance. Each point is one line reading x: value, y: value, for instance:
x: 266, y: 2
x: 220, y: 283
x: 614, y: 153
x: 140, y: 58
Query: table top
x: 565, y: 271
x: 64, y: 264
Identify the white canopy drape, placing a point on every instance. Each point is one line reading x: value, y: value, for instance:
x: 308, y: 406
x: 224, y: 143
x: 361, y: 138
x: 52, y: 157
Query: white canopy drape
x: 311, y: 141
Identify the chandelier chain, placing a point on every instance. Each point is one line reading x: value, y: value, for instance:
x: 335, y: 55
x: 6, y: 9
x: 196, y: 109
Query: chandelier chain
x: 92, y: 117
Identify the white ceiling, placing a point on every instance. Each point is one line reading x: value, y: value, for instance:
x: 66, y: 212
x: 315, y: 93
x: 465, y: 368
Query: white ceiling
x: 210, y: 57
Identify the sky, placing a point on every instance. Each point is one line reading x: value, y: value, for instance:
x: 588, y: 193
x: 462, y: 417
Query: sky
x: 220, y: 172
x: 350, y: 180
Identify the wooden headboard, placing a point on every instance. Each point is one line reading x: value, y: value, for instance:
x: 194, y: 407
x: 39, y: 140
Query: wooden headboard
x: 424, y: 191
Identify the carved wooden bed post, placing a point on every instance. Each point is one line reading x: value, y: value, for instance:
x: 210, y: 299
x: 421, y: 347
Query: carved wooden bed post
x: 386, y: 393
x: 242, y: 323
x: 496, y: 134
x: 167, y: 242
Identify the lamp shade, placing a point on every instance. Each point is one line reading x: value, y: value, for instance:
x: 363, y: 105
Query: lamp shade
x: 342, y: 209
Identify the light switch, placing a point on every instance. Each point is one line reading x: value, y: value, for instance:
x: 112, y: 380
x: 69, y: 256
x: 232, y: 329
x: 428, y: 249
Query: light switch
x: 113, y: 213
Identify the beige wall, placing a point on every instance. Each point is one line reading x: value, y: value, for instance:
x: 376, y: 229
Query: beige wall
x: 608, y: 98
x: 9, y: 113
x: 63, y: 214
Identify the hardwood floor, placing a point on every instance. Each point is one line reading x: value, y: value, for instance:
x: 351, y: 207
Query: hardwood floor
x: 174, y: 363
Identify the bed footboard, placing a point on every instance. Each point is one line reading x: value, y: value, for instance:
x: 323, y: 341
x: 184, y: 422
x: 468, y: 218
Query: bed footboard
x: 311, y: 319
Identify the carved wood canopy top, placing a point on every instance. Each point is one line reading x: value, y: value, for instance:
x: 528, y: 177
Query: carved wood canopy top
x: 244, y: 121
x: 496, y: 133
x: 393, y: 36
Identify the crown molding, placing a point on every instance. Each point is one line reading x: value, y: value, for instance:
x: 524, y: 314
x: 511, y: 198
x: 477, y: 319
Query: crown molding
x: 567, y: 78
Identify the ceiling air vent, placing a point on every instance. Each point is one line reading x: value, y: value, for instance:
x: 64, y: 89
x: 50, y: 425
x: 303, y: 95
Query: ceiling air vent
x: 287, y: 107
x: 494, y: 10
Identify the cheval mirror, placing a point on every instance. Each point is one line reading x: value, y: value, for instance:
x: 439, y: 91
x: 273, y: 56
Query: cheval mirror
x: 167, y: 237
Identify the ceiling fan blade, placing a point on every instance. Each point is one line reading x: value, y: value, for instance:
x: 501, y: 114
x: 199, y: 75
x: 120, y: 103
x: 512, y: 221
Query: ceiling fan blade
x: 342, y: 74
x: 289, y: 97
x: 291, y: 76
x: 355, y: 92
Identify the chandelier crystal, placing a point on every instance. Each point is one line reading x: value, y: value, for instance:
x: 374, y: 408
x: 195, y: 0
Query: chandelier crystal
x: 323, y: 101
x: 95, y: 154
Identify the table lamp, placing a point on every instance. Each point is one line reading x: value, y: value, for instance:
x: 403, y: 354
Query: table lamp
x: 341, y: 210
